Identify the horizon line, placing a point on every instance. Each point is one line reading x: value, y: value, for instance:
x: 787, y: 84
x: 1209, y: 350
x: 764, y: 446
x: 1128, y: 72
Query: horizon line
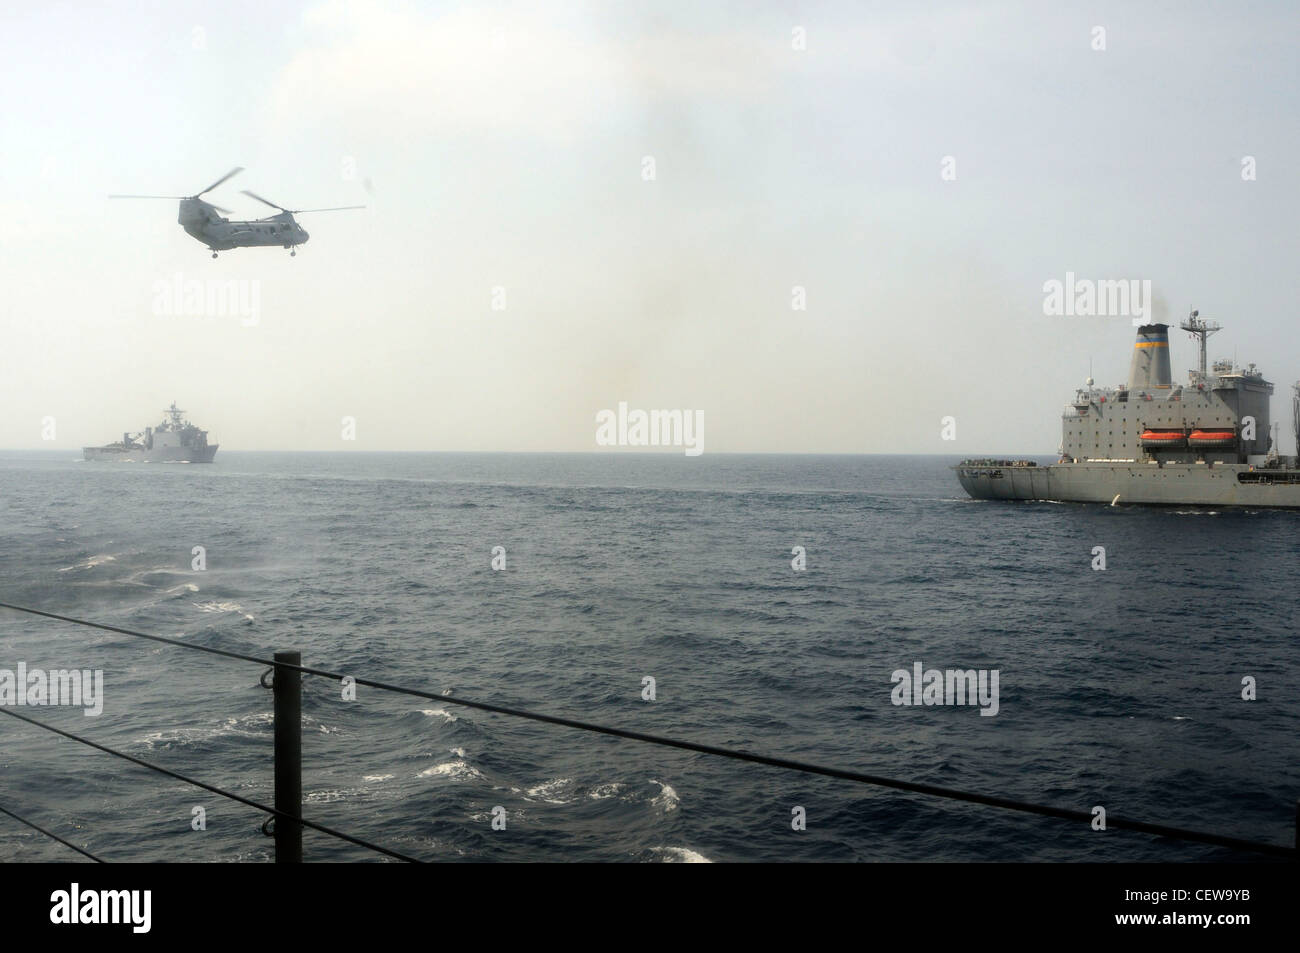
x: 671, y: 452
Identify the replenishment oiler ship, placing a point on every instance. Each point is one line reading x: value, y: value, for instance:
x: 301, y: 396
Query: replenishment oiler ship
x: 1206, y: 443
x: 175, y: 440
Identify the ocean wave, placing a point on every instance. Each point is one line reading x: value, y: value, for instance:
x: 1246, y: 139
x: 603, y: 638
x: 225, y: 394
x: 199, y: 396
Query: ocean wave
x: 162, y: 577
x: 90, y: 563
x: 680, y: 855
x: 667, y: 799
x: 547, y: 791
x: 456, y: 770
x: 218, y: 606
x: 446, y: 716
x: 247, y: 726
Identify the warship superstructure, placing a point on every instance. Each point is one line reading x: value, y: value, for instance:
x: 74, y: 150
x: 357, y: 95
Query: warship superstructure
x: 175, y: 440
x: 1205, y: 443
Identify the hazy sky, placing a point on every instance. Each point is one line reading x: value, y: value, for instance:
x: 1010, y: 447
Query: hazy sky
x: 503, y: 146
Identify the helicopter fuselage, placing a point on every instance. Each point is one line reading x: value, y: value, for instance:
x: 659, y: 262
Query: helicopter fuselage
x: 202, y: 222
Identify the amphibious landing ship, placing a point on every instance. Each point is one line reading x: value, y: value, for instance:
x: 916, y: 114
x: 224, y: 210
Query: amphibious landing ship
x: 1205, y: 443
x: 175, y: 440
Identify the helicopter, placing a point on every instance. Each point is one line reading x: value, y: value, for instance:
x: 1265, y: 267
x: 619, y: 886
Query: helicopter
x: 201, y: 220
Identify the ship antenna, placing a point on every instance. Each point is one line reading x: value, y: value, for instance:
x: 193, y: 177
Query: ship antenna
x: 1199, y: 327
x: 1295, y: 416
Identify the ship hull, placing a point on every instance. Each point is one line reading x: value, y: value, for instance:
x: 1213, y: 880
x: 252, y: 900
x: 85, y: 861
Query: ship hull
x: 1220, y: 485
x: 156, y: 455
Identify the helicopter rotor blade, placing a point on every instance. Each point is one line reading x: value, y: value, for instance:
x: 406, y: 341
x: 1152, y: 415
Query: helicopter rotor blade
x: 233, y: 172
x: 337, y: 208
x: 254, y: 195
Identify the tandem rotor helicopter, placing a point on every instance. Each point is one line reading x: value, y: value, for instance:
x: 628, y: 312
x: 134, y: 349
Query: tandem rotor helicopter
x: 201, y: 220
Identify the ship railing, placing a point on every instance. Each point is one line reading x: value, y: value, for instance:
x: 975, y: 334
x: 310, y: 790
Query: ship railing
x: 981, y: 462
x: 285, y: 821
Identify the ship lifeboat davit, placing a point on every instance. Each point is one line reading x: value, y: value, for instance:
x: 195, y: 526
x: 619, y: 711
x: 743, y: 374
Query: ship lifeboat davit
x: 1163, y: 439
x: 1212, y: 438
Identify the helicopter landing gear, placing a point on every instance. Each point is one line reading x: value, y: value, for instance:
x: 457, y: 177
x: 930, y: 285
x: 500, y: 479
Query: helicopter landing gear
x: 293, y: 253
x: 214, y: 254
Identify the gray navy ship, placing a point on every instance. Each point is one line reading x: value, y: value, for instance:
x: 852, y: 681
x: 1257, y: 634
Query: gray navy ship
x: 175, y: 440
x: 1205, y: 443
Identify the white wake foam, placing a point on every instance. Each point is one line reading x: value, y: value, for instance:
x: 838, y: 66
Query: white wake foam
x: 457, y: 770
x: 551, y: 791
x: 446, y: 716
x: 666, y: 800
x: 90, y: 563
x: 680, y: 855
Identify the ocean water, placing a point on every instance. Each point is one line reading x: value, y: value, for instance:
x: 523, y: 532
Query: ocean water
x: 1119, y: 688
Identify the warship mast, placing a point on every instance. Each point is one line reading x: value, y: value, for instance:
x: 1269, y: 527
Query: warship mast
x: 1295, y: 415
x: 1198, y: 326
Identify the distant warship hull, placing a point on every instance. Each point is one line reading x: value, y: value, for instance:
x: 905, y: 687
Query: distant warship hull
x: 175, y: 440
x: 156, y: 455
x: 1173, y: 484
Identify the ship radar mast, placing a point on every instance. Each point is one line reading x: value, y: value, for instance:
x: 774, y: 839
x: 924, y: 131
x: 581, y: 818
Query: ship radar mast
x: 177, y: 415
x: 1295, y: 415
x: 1202, y: 329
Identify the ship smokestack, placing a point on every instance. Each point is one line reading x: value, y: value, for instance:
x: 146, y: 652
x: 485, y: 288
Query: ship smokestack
x: 1150, y: 367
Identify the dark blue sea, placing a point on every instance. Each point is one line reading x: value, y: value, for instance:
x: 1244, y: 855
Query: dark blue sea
x: 1119, y: 688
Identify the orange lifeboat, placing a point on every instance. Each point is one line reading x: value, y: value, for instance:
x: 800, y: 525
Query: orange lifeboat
x: 1212, y: 438
x: 1163, y: 439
